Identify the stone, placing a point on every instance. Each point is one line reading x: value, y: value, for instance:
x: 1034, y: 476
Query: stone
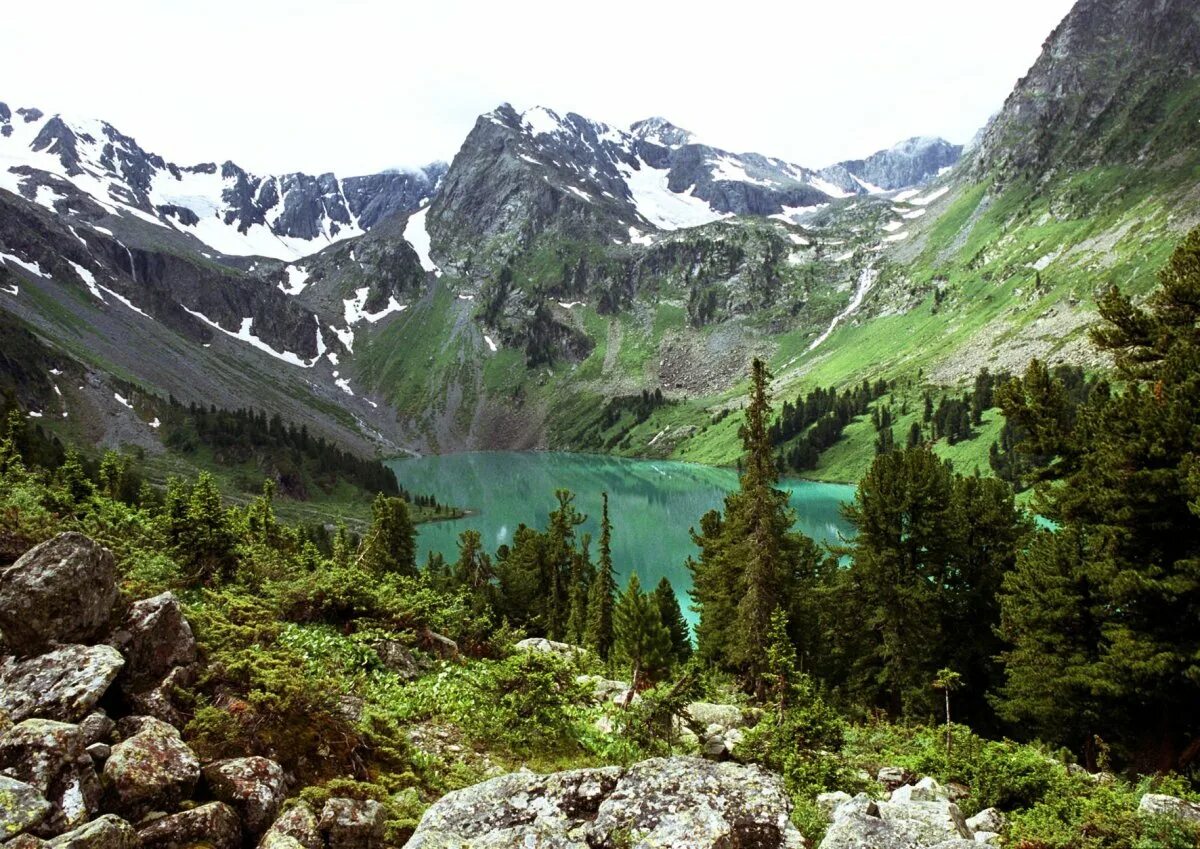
x: 352, y: 823
x: 989, y: 837
x: 861, y: 831
x: 892, y: 777
x: 1158, y: 804
x: 63, y: 684
x: 213, y: 826
x: 396, y: 658
x: 159, y: 698
x: 706, y: 714
x: 296, y: 828
x: 925, y: 790
x: 925, y: 823
x: 956, y: 843
x: 860, y: 804
x: 26, y: 841
x: 540, y: 644
x: 989, y: 819
x: 106, y: 832
x: 128, y: 726
x: 62, y: 591
x: 21, y: 807
x: 663, y: 802
x: 254, y: 787
x: 99, y: 752
x: 151, y: 770
x: 828, y: 803
x: 154, y: 637
x: 50, y: 756
x: 96, y: 728
x: 603, y: 689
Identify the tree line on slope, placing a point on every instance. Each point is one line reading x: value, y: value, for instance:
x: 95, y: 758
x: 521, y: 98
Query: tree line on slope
x: 1084, y: 630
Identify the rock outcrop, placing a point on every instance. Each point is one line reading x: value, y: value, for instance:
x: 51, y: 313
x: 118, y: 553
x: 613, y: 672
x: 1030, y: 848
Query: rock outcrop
x: 677, y: 802
x: 1157, y: 804
x: 916, y: 816
x: 63, y: 684
x: 61, y: 591
x: 253, y: 786
x: 151, y: 770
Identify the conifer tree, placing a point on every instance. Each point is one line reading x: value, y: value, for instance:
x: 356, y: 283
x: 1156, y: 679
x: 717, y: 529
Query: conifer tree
x: 640, y: 639
x: 390, y: 545
x: 750, y: 561
x: 672, y: 617
x: 582, y: 575
x: 598, y: 634
x: 1104, y: 609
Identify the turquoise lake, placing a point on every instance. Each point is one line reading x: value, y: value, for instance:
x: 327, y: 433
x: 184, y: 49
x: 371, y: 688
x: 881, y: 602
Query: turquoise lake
x: 652, y: 503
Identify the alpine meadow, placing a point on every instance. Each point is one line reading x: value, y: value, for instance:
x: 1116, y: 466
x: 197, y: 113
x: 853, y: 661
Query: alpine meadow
x: 599, y: 487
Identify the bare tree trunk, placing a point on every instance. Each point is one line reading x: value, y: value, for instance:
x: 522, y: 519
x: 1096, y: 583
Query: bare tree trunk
x: 948, y: 735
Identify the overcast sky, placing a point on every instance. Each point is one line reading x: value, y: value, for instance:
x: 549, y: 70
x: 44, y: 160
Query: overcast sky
x: 363, y: 85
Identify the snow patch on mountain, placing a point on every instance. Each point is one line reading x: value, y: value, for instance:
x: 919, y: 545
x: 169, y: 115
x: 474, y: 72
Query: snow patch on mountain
x: 416, y: 234
x: 31, y: 267
x: 245, y: 333
x: 665, y: 209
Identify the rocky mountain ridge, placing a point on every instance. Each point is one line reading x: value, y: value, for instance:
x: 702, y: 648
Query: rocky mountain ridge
x: 74, y: 166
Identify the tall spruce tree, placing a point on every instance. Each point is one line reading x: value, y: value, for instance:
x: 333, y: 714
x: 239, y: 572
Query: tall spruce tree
x: 390, y: 546
x: 672, y: 617
x: 1105, y: 610
x: 640, y: 639
x: 750, y: 561
x: 602, y: 596
x: 560, y: 558
x: 929, y: 551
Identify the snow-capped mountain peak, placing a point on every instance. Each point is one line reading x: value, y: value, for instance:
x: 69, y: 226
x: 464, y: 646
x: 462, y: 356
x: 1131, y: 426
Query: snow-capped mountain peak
x: 88, y: 168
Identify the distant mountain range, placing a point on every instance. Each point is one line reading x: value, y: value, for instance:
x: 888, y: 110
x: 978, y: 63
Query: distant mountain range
x: 558, y: 262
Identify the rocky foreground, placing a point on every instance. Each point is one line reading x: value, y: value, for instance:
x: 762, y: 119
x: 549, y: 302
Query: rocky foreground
x: 92, y: 757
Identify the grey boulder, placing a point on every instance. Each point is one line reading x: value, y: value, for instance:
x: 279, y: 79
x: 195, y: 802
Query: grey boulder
x: 212, y: 826
x: 50, y: 756
x: 989, y: 819
x: 151, y: 770
x: 352, y: 824
x: 155, y: 637
x: 63, y: 684
x: 296, y: 828
x: 686, y: 803
x: 62, y: 591
x: 1158, y: 804
x: 106, y: 832
x: 253, y: 786
x: 21, y: 807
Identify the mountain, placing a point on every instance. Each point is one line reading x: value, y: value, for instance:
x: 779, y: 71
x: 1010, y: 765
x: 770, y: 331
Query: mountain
x: 1116, y: 83
x: 559, y: 266
x: 520, y: 174
x: 91, y: 168
x: 912, y: 162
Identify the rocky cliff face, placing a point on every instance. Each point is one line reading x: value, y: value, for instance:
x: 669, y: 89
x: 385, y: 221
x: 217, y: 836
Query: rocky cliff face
x: 56, y: 161
x: 519, y: 175
x: 1116, y: 83
x: 912, y: 162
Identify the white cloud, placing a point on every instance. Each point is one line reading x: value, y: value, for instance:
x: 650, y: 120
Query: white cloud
x: 363, y: 85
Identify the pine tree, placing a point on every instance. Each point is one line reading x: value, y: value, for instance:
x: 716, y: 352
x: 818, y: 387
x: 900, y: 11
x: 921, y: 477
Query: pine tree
x: 672, y: 617
x: 640, y: 639
x: 598, y: 634
x: 582, y: 575
x: 1120, y: 579
x: 390, y: 545
x: 197, y: 527
x: 560, y: 558
x: 750, y: 560
x: 926, y: 561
